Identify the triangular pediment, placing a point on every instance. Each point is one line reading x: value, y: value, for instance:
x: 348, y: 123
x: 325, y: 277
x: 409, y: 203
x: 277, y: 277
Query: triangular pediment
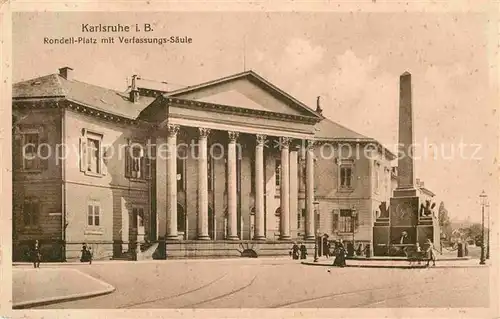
x: 245, y: 90
x: 234, y: 98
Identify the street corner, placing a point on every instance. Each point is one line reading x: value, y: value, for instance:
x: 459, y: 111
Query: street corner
x: 33, y: 287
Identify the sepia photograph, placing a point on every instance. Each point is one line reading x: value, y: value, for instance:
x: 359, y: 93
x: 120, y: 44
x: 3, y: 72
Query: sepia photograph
x: 253, y: 160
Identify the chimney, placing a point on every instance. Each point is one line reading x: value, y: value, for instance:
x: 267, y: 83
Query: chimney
x: 134, y: 92
x: 66, y: 72
x: 318, y: 106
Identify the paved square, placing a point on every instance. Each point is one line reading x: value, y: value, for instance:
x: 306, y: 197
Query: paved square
x: 276, y: 283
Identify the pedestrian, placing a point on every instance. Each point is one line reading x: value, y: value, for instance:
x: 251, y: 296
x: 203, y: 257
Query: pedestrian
x: 350, y: 249
x: 340, y: 254
x: 86, y: 254
x: 359, y: 251
x: 303, y: 251
x: 326, y: 247
x: 36, y: 254
x: 430, y: 253
x: 295, y: 251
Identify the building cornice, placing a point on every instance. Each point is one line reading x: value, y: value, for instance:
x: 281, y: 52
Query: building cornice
x: 69, y: 104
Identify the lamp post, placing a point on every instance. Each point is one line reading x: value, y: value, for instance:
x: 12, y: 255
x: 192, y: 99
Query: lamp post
x: 489, y: 226
x: 483, y: 199
x: 353, y: 214
x: 316, y: 212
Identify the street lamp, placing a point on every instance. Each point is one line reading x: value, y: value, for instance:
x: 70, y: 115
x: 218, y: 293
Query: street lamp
x: 483, y: 199
x: 316, y: 212
x: 489, y: 226
x: 353, y: 220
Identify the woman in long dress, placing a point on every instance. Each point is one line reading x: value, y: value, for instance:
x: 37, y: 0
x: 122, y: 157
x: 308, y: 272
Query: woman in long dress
x: 339, y: 255
x: 295, y: 251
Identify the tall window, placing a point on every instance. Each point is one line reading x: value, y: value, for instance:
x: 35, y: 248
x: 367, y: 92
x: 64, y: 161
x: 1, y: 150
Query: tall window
x: 93, y: 213
x: 93, y: 155
x: 278, y: 172
x: 210, y: 172
x: 138, y: 215
x: 181, y: 167
x: 30, y: 147
x: 31, y: 211
x: 387, y: 181
x: 137, y: 163
x: 277, y: 215
x: 299, y: 217
x: 346, y: 176
x: 377, y: 177
x: 345, y: 224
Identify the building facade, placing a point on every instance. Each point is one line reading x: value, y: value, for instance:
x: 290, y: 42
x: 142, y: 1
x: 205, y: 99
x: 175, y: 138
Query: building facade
x: 213, y: 169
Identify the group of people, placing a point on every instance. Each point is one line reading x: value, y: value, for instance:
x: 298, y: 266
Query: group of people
x: 298, y: 251
x: 340, y: 253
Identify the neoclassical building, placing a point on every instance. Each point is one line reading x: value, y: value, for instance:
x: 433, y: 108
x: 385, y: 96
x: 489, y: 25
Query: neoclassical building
x: 214, y: 169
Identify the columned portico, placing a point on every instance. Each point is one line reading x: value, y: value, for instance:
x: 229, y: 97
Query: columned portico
x: 232, y: 201
x: 285, y: 188
x: 310, y: 223
x: 172, y: 182
x: 259, y: 187
x: 203, y: 185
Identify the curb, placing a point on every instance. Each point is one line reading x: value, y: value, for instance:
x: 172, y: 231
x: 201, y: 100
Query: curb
x: 47, y: 301
x: 406, y: 259
x: 364, y: 266
x: 394, y: 266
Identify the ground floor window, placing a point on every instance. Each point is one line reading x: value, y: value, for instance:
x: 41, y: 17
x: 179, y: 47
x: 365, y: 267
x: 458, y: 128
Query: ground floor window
x: 345, y: 221
x: 138, y: 215
x: 93, y: 213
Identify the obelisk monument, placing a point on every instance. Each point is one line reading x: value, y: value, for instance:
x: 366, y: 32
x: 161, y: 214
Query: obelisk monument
x: 406, y: 162
x: 404, y: 226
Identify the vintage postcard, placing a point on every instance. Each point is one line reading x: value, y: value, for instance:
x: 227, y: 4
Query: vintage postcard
x: 227, y: 160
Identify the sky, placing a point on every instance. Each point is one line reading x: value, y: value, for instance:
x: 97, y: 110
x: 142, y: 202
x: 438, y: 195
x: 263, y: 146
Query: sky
x: 352, y: 60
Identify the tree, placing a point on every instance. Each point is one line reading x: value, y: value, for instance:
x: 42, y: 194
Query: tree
x: 444, y: 220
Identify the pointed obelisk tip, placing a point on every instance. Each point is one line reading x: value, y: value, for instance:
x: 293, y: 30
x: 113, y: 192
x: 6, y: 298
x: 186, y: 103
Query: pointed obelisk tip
x: 406, y: 74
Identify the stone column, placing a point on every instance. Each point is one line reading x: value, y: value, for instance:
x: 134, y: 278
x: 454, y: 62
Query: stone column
x: 161, y: 192
x: 232, y: 200
x: 259, y: 188
x: 309, y: 222
x: 285, y: 188
x: 172, y: 182
x: 294, y: 188
x: 203, y: 185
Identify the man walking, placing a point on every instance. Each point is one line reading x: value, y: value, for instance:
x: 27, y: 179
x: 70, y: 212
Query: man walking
x: 430, y: 253
x: 37, y: 256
